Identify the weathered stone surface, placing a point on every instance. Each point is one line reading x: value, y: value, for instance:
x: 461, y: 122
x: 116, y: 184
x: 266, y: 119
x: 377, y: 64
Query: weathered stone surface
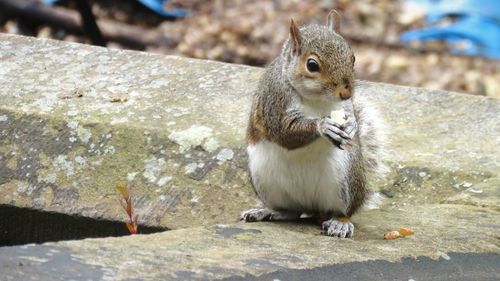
x: 180, y: 138
x: 202, y: 253
x: 180, y: 135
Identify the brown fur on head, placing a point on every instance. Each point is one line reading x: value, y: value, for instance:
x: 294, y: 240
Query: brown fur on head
x: 318, y: 62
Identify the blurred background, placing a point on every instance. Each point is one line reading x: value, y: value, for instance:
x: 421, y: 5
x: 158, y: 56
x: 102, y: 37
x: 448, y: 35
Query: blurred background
x: 449, y: 45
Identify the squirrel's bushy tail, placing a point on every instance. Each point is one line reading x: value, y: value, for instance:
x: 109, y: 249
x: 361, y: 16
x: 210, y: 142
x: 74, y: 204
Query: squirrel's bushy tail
x: 372, y: 137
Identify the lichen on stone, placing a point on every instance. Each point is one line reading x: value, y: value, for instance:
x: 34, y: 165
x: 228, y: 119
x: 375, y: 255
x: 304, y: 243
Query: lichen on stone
x: 154, y: 168
x: 83, y: 134
x: 196, y: 135
x: 190, y: 168
x: 225, y: 154
x: 60, y: 163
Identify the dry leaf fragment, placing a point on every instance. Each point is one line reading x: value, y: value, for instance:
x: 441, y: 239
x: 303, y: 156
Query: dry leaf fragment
x: 119, y: 99
x: 391, y: 235
x: 64, y: 97
x: 76, y: 94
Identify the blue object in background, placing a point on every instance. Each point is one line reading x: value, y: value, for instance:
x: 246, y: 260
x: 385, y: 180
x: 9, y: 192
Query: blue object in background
x: 478, y: 23
x: 158, y: 6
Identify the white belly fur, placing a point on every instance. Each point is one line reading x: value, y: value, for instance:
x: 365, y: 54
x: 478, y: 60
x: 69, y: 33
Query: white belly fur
x: 308, y: 179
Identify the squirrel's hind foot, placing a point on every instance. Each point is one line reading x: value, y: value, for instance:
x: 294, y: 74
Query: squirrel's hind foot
x: 254, y: 215
x: 338, y: 227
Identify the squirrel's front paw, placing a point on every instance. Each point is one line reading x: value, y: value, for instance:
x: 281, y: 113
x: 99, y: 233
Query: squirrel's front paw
x: 350, y: 127
x: 341, y: 227
x: 333, y: 131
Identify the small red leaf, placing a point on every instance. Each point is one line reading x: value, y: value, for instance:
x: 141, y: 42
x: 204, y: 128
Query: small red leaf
x: 131, y: 228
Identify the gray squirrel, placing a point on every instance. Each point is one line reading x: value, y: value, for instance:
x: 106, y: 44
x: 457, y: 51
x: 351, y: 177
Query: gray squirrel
x: 300, y: 160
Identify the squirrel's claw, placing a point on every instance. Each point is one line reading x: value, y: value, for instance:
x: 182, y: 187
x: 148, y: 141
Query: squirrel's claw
x: 253, y: 215
x: 332, y: 131
x: 338, y: 228
x: 350, y: 127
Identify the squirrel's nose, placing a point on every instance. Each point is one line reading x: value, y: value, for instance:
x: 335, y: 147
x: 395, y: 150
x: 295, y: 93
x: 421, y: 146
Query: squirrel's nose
x: 344, y: 92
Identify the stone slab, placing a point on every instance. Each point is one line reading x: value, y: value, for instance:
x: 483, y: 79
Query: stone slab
x: 252, y: 250
x: 459, y: 266
x: 179, y: 136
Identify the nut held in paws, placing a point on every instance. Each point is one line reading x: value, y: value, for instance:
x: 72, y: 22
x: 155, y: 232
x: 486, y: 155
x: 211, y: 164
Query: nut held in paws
x: 338, y: 116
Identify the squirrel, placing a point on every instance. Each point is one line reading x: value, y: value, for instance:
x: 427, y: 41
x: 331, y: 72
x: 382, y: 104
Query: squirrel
x: 300, y: 160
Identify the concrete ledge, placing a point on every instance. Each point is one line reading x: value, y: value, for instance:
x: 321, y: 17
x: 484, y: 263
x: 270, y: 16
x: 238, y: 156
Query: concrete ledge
x: 230, y: 251
x: 180, y: 137
x: 180, y: 134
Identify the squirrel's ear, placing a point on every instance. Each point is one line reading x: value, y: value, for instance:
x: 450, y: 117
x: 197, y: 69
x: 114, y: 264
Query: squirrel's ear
x: 296, y: 38
x: 333, y: 21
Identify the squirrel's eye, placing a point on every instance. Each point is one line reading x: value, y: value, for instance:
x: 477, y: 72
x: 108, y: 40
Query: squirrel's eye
x: 312, y: 65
